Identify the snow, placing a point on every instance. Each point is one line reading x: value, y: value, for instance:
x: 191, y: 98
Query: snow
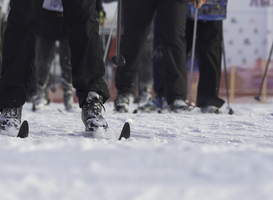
x: 189, y: 156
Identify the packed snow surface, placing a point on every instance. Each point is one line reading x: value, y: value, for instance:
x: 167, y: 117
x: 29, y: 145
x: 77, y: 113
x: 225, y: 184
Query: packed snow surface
x: 169, y: 156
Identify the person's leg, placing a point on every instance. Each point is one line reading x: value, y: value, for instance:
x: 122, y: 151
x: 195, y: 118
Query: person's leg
x: 18, y: 52
x: 86, y: 55
x: 189, y: 35
x: 157, y: 60
x: 45, y: 51
x: 145, y: 75
x: 81, y: 19
x: 33, y: 88
x: 65, y: 58
x: 210, y: 52
x: 18, y: 57
x: 136, y: 20
x: 172, y: 37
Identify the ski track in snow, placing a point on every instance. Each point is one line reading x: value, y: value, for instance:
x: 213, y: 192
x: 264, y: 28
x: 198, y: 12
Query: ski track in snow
x: 187, y: 156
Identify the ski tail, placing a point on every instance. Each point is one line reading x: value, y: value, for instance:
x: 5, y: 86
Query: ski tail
x: 125, y: 132
x: 24, y: 130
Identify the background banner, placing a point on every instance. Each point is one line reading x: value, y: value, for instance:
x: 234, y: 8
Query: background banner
x: 248, y: 31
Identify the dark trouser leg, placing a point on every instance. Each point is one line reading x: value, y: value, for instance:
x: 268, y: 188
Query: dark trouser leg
x: 65, y: 57
x: 45, y: 52
x: 65, y: 60
x: 0, y: 65
x: 172, y: 36
x: 136, y: 27
x: 18, y: 52
x: 86, y: 53
x: 210, y: 52
x: 145, y: 72
x: 157, y: 59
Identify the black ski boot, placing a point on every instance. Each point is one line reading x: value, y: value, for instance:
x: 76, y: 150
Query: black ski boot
x: 68, y: 99
x: 121, y: 103
x: 179, y: 106
x: 91, y: 112
x: 10, y: 120
x: 41, y: 99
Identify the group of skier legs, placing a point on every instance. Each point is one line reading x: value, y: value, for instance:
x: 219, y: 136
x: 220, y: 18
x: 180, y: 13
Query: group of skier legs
x: 81, y: 20
x: 173, y: 36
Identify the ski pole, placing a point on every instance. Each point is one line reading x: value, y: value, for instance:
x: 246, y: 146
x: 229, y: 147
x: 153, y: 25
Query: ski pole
x: 265, y: 72
x: 193, y: 50
x: 225, y: 68
x: 109, y: 38
x: 118, y: 59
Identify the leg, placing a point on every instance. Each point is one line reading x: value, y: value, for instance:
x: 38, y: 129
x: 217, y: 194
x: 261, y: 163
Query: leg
x: 18, y: 52
x: 173, y: 45
x: 210, y: 52
x: 145, y: 76
x: 88, y: 68
x: 65, y: 58
x: 137, y: 17
x: 157, y: 59
x: 18, y: 57
x: 189, y: 35
x: 135, y: 31
x: 86, y: 55
x: 45, y: 51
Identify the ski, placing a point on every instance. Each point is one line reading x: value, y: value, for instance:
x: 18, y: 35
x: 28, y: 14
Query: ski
x: 24, y: 129
x: 125, y: 132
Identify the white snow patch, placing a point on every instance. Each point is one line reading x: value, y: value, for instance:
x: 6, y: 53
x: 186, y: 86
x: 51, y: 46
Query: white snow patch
x: 187, y: 156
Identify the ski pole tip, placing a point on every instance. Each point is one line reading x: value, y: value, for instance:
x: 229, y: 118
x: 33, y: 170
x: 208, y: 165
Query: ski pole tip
x: 230, y: 112
x: 257, y: 98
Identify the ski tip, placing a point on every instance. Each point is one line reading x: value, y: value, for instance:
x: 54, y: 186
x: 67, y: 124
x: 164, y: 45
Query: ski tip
x: 24, y: 129
x: 134, y: 112
x: 126, y: 131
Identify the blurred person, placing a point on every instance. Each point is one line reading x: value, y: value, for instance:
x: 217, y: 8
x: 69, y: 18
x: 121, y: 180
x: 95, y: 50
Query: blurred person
x: 158, y: 102
x: 136, y: 19
x: 208, y: 53
x: 81, y: 19
x: 52, y: 29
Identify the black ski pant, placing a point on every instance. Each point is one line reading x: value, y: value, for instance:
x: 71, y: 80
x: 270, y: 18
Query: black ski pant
x: 157, y: 58
x: 209, y: 55
x: 145, y: 74
x: 137, y: 17
x: 19, y: 47
x: 45, y: 53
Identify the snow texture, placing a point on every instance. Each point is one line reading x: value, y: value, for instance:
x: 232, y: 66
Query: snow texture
x: 189, y: 156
